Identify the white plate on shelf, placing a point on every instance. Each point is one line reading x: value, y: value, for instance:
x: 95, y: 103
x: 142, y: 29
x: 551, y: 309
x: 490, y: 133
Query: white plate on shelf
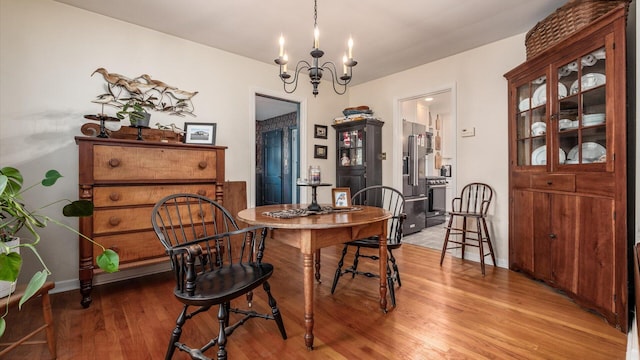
x: 540, y: 95
x: 538, y: 128
x: 524, y: 105
x: 591, y: 152
x: 539, y: 156
x: 565, y: 124
x: 588, y: 81
x: 593, y: 119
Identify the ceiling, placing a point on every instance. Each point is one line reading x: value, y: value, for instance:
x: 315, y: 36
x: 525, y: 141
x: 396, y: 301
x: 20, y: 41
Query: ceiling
x: 389, y: 37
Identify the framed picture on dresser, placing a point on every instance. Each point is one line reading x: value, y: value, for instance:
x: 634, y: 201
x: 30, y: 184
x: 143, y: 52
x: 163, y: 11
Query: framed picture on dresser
x: 200, y: 133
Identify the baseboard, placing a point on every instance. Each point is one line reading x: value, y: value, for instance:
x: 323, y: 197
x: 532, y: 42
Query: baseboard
x: 100, y: 279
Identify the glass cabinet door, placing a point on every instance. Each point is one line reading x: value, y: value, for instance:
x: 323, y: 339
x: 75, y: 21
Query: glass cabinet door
x: 582, y: 109
x: 531, y: 123
x: 351, y: 148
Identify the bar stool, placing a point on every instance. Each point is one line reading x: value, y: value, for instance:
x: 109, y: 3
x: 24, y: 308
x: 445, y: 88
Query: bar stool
x: 473, y: 203
x: 43, y: 292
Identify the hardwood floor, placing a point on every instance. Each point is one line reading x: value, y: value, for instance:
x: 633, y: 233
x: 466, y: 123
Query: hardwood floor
x: 443, y: 313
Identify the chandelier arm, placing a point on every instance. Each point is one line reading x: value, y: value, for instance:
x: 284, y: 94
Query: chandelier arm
x: 334, y: 73
x: 301, y: 65
x: 334, y: 78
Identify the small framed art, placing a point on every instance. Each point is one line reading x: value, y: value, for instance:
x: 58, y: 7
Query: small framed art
x: 341, y: 197
x: 320, y: 152
x: 200, y: 133
x: 320, y: 131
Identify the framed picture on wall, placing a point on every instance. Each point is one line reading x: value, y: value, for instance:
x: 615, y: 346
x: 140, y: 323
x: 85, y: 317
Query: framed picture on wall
x: 341, y: 197
x: 320, y: 152
x: 200, y: 133
x: 320, y: 131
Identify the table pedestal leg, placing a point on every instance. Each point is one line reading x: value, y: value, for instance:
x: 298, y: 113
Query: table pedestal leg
x: 308, y: 300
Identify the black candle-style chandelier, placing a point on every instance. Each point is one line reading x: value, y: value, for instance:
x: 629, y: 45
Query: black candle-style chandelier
x: 315, y: 71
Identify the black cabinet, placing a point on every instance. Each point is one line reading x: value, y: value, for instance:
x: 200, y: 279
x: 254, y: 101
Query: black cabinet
x: 359, y: 154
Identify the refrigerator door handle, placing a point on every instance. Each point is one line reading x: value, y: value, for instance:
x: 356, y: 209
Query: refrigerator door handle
x: 413, y: 156
x: 410, y: 159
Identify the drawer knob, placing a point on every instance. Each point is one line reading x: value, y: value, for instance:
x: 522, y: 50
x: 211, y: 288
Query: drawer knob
x: 549, y: 182
x: 552, y: 236
x: 114, y: 221
x: 202, y: 164
x: 202, y: 192
x: 114, y: 196
x: 114, y: 162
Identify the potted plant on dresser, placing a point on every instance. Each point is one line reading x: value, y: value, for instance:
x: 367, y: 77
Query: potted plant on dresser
x: 135, y: 108
x: 16, y: 216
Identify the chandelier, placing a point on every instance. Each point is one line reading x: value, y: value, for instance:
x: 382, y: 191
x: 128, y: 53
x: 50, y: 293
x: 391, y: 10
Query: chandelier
x: 314, y: 69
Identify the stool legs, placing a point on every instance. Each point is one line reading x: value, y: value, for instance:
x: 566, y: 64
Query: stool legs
x: 48, y: 319
x: 446, y: 239
x: 483, y: 237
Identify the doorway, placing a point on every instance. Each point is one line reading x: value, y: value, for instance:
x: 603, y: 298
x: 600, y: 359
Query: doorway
x: 436, y: 110
x: 277, y: 123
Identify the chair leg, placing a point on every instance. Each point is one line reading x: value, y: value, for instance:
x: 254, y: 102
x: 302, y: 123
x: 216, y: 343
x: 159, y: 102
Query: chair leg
x: 396, y: 273
x: 464, y: 235
x: 227, y: 308
x: 446, y: 239
x: 274, y: 310
x: 486, y: 232
x: 480, y: 245
x: 355, y: 262
x: 250, y: 298
x: 177, y: 331
x: 339, y: 269
x: 222, y: 335
x: 391, y: 287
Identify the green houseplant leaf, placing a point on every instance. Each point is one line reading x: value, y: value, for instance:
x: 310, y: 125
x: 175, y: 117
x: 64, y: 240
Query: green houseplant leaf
x: 15, y: 215
x: 78, y: 208
x: 34, y: 285
x: 108, y: 261
x: 10, y: 265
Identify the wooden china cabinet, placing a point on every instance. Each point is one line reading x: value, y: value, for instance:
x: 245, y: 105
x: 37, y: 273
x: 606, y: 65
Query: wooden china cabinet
x: 124, y: 179
x: 568, y: 168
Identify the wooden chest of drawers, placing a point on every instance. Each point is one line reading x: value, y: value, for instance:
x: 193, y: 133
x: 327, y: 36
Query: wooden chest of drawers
x: 124, y: 179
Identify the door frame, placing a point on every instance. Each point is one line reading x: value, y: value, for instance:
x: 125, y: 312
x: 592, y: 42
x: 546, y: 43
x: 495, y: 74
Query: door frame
x: 302, y: 129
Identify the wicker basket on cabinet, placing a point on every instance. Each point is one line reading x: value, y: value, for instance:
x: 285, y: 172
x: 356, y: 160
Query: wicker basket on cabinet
x: 565, y: 21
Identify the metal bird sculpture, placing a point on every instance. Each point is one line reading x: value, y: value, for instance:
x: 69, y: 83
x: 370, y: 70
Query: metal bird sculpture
x: 153, y: 94
x: 111, y: 78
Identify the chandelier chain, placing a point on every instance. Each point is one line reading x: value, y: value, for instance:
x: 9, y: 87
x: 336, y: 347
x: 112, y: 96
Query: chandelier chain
x: 315, y: 14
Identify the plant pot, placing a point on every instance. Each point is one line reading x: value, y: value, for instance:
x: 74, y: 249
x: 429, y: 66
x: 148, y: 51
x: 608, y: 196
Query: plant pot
x: 6, y: 287
x: 144, y: 122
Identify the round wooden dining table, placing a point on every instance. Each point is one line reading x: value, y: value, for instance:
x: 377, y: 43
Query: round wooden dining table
x: 312, y: 232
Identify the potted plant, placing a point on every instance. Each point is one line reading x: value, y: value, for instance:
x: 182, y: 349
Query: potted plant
x: 135, y: 110
x: 15, y: 215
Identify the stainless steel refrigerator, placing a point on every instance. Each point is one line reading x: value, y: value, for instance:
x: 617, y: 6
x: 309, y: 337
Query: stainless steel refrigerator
x: 414, y: 152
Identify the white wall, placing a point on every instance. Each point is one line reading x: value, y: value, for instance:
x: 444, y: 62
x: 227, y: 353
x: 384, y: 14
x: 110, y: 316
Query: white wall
x: 48, y: 51
x: 481, y: 103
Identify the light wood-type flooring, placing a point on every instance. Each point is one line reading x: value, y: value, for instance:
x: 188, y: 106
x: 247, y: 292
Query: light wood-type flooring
x: 443, y: 313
